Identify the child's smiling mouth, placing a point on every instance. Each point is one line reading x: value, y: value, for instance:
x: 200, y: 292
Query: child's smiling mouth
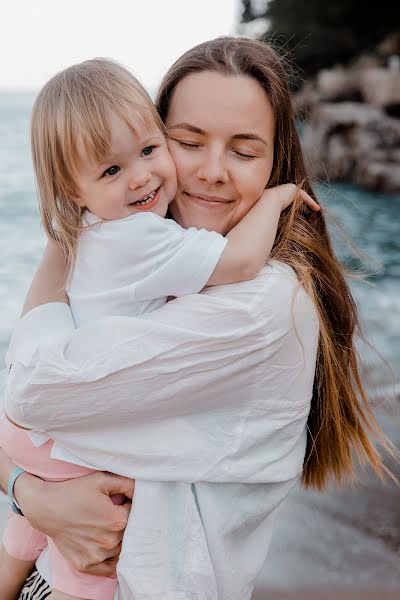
x: 147, y: 202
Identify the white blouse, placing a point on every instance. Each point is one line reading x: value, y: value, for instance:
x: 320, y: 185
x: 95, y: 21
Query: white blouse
x: 196, y: 400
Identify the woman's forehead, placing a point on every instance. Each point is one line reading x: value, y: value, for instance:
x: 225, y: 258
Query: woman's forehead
x: 211, y: 101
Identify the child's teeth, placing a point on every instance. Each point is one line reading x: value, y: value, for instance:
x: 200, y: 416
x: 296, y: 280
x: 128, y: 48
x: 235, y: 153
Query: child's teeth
x: 146, y: 200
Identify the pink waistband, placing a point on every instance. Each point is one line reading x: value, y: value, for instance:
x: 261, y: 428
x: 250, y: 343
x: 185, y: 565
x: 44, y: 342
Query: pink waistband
x: 36, y: 460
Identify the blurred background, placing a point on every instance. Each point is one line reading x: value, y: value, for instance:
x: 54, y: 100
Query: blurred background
x: 345, y: 63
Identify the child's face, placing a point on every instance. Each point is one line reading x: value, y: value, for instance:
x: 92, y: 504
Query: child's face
x: 139, y: 174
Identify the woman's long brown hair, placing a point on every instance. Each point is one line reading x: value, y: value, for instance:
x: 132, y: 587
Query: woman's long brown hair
x: 341, y: 426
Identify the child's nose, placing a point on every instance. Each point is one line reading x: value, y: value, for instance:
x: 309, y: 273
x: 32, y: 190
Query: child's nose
x: 139, y: 180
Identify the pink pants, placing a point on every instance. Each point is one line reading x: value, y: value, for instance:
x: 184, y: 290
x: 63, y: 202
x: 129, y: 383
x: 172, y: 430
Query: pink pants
x: 23, y: 542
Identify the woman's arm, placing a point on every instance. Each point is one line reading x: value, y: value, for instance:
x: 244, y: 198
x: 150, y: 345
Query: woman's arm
x: 175, y: 392
x: 78, y: 514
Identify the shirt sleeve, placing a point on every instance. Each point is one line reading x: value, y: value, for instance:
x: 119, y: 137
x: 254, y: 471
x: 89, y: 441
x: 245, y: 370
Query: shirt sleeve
x: 144, y: 257
x: 178, y: 261
x: 210, y: 387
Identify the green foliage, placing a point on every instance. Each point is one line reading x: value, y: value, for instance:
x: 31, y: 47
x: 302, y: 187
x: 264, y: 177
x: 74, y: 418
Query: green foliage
x: 320, y: 33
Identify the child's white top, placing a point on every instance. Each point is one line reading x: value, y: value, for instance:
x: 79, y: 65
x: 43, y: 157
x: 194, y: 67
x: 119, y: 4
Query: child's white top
x: 130, y: 266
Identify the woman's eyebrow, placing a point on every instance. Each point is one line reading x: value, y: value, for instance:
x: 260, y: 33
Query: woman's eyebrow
x: 188, y: 127
x: 249, y: 136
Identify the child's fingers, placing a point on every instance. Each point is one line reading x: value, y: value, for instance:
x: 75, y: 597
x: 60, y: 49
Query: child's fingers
x: 309, y: 201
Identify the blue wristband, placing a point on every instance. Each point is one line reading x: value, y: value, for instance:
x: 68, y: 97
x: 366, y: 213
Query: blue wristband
x: 10, y: 490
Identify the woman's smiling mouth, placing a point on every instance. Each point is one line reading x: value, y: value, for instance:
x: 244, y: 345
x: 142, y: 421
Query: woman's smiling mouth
x: 207, y: 200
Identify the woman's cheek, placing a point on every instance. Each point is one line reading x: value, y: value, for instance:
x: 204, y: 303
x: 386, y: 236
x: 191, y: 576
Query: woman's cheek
x: 258, y: 179
x: 183, y: 162
x: 174, y: 152
x: 169, y: 172
x: 252, y: 184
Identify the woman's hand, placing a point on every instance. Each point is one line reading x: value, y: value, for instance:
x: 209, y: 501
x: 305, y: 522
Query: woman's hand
x: 79, y: 516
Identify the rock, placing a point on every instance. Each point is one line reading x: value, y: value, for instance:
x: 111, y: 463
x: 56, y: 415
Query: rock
x: 306, y: 98
x: 351, y: 115
x: 366, y: 61
x: 338, y: 84
x: 380, y: 87
x: 390, y: 45
x: 378, y: 175
x: 353, y: 142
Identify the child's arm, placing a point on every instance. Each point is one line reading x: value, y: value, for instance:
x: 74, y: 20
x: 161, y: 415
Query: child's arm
x: 43, y: 289
x: 14, y: 573
x: 251, y: 240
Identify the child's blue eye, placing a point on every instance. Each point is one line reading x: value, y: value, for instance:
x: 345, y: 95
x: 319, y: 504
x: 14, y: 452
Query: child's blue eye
x: 147, y: 151
x: 111, y: 171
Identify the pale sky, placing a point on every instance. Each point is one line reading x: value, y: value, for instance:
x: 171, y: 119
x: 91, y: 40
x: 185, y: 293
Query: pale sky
x: 40, y: 37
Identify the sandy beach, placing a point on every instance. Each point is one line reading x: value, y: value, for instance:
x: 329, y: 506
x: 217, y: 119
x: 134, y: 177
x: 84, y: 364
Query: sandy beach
x: 343, y: 543
x: 338, y: 544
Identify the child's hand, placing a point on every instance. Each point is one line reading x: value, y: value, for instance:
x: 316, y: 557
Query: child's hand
x: 285, y: 194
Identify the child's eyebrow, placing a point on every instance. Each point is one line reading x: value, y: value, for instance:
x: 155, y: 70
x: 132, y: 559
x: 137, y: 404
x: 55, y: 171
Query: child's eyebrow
x: 150, y: 137
x: 117, y: 154
x: 122, y: 152
x: 114, y: 155
x: 108, y: 158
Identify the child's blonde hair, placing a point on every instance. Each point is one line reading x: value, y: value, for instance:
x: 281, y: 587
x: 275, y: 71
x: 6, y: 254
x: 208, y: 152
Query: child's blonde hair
x: 73, y: 110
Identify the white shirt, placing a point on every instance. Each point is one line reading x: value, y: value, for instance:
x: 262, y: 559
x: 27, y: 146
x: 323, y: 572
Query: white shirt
x: 204, y: 401
x: 130, y: 266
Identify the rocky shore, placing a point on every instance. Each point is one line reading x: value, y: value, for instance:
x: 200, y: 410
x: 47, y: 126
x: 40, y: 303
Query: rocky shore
x: 351, y: 129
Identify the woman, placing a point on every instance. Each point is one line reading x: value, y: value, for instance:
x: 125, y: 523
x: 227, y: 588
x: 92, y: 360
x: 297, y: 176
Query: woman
x: 225, y: 378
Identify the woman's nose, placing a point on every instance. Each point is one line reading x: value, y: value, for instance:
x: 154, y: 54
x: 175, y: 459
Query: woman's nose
x: 213, y: 169
x: 139, y: 179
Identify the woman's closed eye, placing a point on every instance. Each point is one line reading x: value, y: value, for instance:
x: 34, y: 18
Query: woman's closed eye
x: 187, y: 144
x: 245, y: 153
x: 195, y: 145
x: 111, y: 171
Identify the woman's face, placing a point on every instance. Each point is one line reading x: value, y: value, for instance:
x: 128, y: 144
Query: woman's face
x: 221, y: 139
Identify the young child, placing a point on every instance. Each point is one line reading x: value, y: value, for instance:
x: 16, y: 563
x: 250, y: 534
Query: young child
x: 105, y: 180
